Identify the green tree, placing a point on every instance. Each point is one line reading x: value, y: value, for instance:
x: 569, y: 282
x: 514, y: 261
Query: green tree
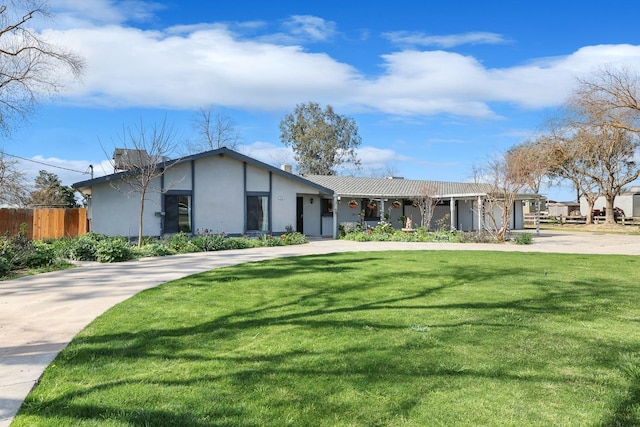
x: 321, y: 139
x: 49, y: 192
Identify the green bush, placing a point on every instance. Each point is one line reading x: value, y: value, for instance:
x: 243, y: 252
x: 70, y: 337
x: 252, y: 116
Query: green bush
x: 524, y: 239
x: 6, y: 249
x: 294, y: 238
x: 383, y: 228
x: 208, y: 242
x: 181, y: 243
x: 238, y: 243
x: 269, y: 241
x: 85, y: 248
x: 5, y: 267
x: 156, y: 249
x: 40, y: 254
x: 114, y: 250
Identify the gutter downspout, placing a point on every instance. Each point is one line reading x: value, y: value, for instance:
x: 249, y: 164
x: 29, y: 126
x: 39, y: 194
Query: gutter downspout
x: 335, y: 216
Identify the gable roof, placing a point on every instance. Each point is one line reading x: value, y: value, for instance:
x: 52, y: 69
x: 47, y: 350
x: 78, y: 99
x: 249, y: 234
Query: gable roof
x: 396, y: 187
x: 224, y: 151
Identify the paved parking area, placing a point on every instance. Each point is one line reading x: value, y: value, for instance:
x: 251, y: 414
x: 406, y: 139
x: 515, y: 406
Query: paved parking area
x: 39, y: 315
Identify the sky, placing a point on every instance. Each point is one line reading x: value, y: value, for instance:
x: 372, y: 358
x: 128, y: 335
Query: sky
x: 436, y: 88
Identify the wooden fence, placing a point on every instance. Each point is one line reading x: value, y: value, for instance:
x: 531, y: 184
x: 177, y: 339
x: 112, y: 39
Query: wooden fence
x: 43, y: 224
x: 530, y: 219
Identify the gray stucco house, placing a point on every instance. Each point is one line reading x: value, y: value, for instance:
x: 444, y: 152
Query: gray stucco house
x: 223, y: 191
x: 220, y: 191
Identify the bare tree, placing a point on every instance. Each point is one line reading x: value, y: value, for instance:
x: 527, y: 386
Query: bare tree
x: 215, y: 131
x: 533, y: 159
x: 505, y: 179
x: 570, y: 159
x: 13, y: 183
x: 28, y: 63
x: 605, y: 108
x: 426, y: 201
x: 147, y: 158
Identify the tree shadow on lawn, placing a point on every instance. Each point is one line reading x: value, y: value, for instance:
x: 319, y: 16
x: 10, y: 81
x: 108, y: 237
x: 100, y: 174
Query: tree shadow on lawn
x: 368, y: 363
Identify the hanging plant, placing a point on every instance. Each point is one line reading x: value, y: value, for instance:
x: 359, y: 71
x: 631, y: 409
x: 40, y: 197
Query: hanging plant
x: 397, y: 204
x: 371, y: 204
x: 353, y: 204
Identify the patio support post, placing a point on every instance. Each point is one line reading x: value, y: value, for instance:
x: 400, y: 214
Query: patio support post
x: 537, y: 215
x: 335, y: 216
x: 480, y: 207
x: 382, y: 209
x: 452, y: 209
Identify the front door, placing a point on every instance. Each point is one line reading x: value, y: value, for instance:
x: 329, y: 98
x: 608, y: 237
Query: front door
x: 299, y: 215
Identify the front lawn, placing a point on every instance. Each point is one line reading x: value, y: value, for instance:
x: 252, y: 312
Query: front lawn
x: 413, y: 338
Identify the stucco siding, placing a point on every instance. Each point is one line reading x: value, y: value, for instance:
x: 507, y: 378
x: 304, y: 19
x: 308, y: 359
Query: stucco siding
x: 116, y: 211
x: 178, y: 177
x: 283, y: 203
x: 218, y: 196
x: 257, y: 179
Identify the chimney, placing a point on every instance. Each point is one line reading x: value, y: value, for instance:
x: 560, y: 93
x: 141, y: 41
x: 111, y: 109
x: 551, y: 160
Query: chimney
x: 286, y: 168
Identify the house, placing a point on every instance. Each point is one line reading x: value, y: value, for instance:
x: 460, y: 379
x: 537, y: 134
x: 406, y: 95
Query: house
x: 557, y: 209
x: 371, y: 200
x: 220, y: 191
x: 628, y: 202
x: 223, y: 191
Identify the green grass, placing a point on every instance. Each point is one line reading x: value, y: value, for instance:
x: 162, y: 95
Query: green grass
x: 362, y: 339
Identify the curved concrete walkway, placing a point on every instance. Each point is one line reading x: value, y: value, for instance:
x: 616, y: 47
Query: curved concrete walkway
x: 39, y: 315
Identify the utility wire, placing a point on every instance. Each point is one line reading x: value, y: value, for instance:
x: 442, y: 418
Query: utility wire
x: 86, y: 172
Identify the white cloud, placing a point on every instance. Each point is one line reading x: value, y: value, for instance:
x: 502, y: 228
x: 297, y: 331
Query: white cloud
x: 445, y: 41
x: 89, y: 13
x: 209, y: 64
x: 310, y: 28
x: 69, y: 171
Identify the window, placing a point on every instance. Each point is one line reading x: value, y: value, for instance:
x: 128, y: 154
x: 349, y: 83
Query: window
x: 177, y: 213
x: 257, y: 213
x: 371, y: 209
x: 327, y: 207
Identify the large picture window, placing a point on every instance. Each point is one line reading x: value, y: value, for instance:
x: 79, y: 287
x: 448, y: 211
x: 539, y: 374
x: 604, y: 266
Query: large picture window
x: 177, y: 213
x: 258, y: 213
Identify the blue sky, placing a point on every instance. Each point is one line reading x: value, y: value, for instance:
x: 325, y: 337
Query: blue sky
x: 435, y: 87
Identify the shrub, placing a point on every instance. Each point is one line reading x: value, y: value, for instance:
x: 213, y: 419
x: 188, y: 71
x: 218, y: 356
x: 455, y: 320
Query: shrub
x: 524, y: 239
x: 476, y: 237
x: 5, y: 267
x: 114, y: 250
x: 156, y: 249
x: 208, y: 242
x: 383, y: 228
x: 294, y: 238
x: 85, y: 248
x: 181, y: 243
x: 238, y: 243
x: 268, y: 241
x: 40, y: 254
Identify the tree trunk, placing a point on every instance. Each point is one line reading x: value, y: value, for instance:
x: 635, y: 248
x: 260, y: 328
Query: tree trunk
x: 140, y: 221
x: 589, y: 216
x: 610, y: 217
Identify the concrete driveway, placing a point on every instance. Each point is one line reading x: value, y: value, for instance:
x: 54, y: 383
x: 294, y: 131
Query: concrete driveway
x: 39, y: 315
